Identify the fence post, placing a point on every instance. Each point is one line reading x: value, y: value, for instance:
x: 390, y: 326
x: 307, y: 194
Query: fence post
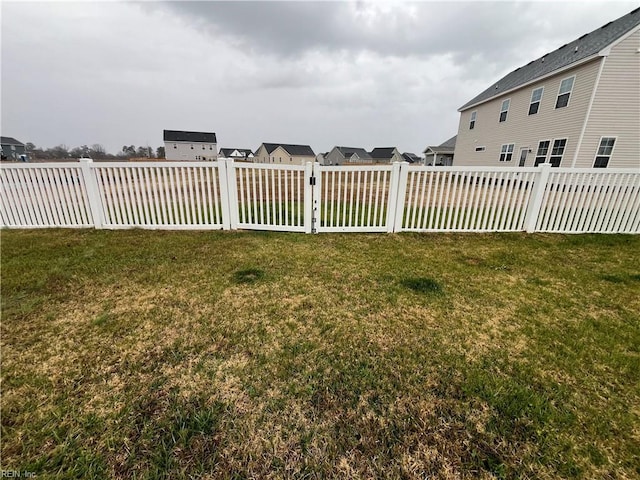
x: 396, y: 190
x: 93, y: 192
x: 317, y: 192
x: 308, y: 198
x: 221, y: 166
x: 537, y: 195
x: 229, y: 194
x: 402, y: 194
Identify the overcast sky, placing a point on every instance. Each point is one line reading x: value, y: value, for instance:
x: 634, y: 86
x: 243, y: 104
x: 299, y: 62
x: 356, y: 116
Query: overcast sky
x: 319, y: 73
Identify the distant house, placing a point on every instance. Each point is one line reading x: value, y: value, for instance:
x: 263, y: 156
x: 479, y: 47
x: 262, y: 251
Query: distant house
x: 242, y: 154
x: 348, y: 155
x: 441, y: 154
x: 282, y: 153
x: 386, y: 155
x: 411, y: 158
x: 12, y: 149
x: 577, y: 106
x: 190, y: 146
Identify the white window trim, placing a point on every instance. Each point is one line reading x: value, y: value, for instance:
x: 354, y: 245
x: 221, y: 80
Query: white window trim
x: 473, y: 119
x: 570, y: 92
x: 539, y: 101
x: 615, y: 137
x: 507, y: 110
x: 546, y: 157
x: 507, y: 152
x: 566, y: 143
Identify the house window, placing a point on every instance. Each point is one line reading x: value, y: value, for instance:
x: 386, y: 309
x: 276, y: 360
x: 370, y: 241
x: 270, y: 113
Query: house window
x: 504, y: 110
x: 506, y: 153
x: 480, y: 149
x: 604, y: 152
x: 536, y: 97
x: 565, y: 92
x: 543, y: 150
x: 557, y: 152
x: 472, y: 123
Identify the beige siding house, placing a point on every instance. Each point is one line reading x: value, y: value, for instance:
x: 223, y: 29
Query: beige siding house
x: 281, y: 153
x: 190, y: 146
x: 578, y: 106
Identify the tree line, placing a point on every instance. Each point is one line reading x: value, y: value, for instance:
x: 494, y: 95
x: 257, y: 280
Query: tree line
x: 95, y: 151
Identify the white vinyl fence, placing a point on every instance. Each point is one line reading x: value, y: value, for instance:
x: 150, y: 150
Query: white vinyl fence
x: 465, y: 200
x: 314, y: 198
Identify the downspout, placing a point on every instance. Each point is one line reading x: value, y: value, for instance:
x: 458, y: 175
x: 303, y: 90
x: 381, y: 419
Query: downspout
x: 586, y: 118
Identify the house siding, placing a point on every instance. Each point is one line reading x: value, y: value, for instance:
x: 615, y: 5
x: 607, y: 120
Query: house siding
x: 616, y: 108
x: 522, y: 129
x: 184, y: 152
x: 334, y: 157
x: 281, y: 157
x: 13, y: 151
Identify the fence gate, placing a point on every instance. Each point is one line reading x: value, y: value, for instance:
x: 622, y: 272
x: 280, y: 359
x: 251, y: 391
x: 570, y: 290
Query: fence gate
x: 270, y: 197
x: 355, y: 199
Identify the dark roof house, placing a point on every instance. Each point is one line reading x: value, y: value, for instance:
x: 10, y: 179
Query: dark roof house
x: 386, y: 155
x: 194, y: 137
x: 348, y: 152
x: 297, y: 150
x: 12, y: 149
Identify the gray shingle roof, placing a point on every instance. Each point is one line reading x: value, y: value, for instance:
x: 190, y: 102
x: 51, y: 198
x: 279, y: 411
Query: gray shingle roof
x: 411, y: 157
x: 579, y: 49
x: 181, y: 136
x: 349, y: 151
x: 10, y: 141
x: 447, y: 146
x: 291, y: 149
x: 382, y: 152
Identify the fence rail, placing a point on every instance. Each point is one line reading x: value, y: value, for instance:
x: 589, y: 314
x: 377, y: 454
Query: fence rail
x: 314, y: 198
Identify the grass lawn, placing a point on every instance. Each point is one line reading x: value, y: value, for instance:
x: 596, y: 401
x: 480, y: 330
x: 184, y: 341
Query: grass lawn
x: 142, y: 354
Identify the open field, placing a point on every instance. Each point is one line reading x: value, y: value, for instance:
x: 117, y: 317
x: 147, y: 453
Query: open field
x: 150, y: 354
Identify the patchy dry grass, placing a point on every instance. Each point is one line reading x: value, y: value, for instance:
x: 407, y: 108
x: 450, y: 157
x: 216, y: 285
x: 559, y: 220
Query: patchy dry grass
x: 137, y: 354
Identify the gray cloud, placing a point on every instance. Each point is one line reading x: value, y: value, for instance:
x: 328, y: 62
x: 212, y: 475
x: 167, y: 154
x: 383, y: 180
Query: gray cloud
x: 491, y: 31
x: 301, y: 72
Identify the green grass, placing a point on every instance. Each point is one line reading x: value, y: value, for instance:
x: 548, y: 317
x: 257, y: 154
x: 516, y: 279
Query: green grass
x: 146, y: 354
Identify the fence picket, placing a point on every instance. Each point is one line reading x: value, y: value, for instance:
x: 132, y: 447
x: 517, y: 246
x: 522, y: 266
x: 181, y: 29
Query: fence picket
x: 397, y: 197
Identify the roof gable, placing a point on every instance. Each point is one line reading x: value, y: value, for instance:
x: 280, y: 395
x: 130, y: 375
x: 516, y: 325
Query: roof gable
x: 447, y: 146
x: 411, y: 157
x: 581, y: 49
x: 228, y: 152
x: 298, y: 150
x: 10, y: 141
x: 348, y: 152
x: 183, y: 136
